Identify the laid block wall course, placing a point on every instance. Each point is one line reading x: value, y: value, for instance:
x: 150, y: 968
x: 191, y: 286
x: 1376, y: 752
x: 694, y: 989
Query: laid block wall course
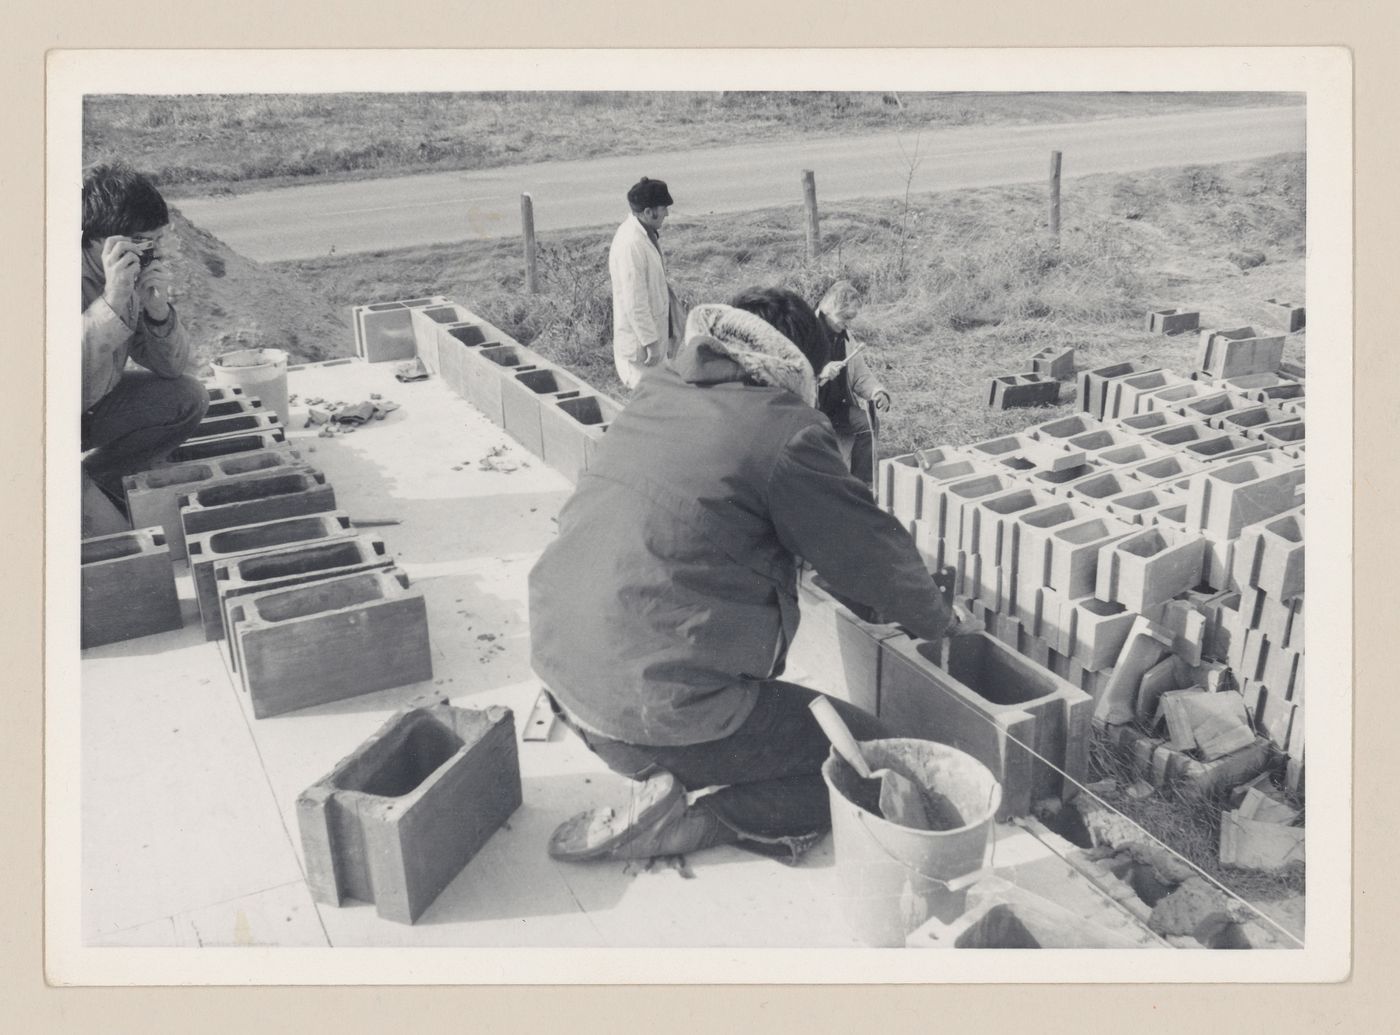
x: 384, y: 330
x: 234, y: 424
x: 224, y: 445
x: 396, y: 821
x: 569, y: 425
x: 838, y: 650
x: 485, y: 371
x: 128, y: 587
x: 266, y: 496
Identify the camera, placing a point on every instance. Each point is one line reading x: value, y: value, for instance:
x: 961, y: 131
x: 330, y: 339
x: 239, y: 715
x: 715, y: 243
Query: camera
x: 147, y: 256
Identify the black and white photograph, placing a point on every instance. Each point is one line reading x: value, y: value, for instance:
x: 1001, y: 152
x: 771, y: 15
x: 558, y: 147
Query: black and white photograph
x: 716, y: 502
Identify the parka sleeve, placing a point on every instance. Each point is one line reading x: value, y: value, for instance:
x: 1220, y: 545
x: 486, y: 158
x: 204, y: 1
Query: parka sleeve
x: 828, y: 517
x: 162, y: 348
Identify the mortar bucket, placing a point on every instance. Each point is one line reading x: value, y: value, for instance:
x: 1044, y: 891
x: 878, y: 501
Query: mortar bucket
x: 892, y: 878
x: 259, y: 372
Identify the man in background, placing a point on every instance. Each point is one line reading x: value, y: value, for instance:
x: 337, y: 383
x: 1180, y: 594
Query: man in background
x: 130, y: 417
x: 643, y: 303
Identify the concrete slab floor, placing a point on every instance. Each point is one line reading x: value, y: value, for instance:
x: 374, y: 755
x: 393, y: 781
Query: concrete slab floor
x: 188, y: 802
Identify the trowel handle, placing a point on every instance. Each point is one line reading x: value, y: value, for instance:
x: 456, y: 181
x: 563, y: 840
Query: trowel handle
x: 840, y: 736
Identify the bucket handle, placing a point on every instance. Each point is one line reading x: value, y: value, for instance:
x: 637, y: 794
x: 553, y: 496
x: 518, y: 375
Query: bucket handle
x: 957, y: 883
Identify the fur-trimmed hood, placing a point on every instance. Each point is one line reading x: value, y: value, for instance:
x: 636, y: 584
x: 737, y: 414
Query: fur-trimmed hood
x: 723, y: 343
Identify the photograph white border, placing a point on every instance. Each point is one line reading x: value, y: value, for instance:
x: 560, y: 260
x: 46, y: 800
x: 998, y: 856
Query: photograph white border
x: 1323, y: 74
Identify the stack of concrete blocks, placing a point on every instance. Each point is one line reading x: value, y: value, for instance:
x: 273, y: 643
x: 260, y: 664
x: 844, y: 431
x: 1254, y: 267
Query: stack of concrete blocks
x: 1104, y: 550
x: 551, y: 413
x: 396, y: 822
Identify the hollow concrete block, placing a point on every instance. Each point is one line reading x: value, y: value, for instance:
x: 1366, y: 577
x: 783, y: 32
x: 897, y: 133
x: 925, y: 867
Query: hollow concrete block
x: 1142, y: 424
x: 225, y: 445
x: 1095, y: 386
x: 1148, y: 568
x: 128, y: 587
x: 837, y: 649
x: 1075, y: 550
x: 253, y: 423
x: 209, y: 548
x: 933, y: 500
x: 1276, y: 388
x: 568, y: 425
x: 1269, y: 555
x: 1126, y: 395
x: 1147, y: 642
x: 1223, y: 499
x: 487, y: 370
x: 957, y: 501
x: 257, y: 498
x: 1027, y: 389
x: 330, y: 639
x: 1227, y: 357
x: 455, y: 340
x: 1293, y: 314
x: 426, y: 323
x: 1054, y: 361
x: 153, y: 497
x: 396, y: 821
x: 292, y: 566
x: 1173, y: 321
x: 1032, y: 548
x: 384, y: 330
x: 525, y: 394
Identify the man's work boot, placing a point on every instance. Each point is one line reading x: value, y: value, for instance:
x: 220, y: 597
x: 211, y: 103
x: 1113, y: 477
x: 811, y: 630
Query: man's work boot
x: 656, y: 822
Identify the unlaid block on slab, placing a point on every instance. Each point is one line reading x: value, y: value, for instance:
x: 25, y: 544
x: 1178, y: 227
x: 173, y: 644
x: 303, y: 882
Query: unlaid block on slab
x: 331, y: 639
x: 266, y: 496
x: 396, y: 821
x: 234, y: 424
x: 153, y: 497
x: 209, y: 548
x: 128, y: 587
x: 225, y: 445
x: 292, y: 566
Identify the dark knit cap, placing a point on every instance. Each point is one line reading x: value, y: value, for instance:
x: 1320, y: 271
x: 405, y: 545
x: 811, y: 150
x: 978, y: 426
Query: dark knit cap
x: 647, y: 193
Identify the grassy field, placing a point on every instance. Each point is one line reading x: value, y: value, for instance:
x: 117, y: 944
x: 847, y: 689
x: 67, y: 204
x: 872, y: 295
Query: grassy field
x: 208, y: 143
x: 962, y: 286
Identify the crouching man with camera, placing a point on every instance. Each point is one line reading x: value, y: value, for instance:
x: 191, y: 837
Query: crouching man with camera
x: 130, y: 417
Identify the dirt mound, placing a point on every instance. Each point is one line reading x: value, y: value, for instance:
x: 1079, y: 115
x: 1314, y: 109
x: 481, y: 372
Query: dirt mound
x: 229, y: 302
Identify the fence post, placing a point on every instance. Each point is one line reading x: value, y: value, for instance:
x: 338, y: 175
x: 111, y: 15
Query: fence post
x: 1055, y: 193
x: 527, y: 223
x: 809, y: 199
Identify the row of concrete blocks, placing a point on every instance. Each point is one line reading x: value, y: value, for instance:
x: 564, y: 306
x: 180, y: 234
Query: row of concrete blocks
x: 1127, y: 388
x: 552, y: 414
x: 972, y: 692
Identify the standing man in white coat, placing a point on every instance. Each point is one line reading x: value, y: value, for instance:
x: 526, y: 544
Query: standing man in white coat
x: 642, y: 301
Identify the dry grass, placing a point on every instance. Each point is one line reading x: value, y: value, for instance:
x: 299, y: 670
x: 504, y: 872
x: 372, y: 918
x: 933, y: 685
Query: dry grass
x: 980, y: 289
x: 207, y: 142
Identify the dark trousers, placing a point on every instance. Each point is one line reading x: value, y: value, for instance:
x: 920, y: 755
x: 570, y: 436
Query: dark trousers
x: 770, y: 766
x: 856, y: 430
x: 139, y: 421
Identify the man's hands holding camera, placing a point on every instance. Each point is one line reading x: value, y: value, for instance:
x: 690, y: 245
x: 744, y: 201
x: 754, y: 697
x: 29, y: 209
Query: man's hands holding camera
x: 139, y: 267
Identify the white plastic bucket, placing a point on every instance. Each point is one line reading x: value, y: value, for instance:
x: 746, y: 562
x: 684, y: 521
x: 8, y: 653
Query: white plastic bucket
x: 259, y: 372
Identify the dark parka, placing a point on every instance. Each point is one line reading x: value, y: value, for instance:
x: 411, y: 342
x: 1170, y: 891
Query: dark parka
x: 670, y: 592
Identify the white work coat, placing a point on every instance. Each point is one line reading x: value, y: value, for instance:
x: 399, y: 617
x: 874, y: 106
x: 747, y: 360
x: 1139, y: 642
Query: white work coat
x: 641, y: 301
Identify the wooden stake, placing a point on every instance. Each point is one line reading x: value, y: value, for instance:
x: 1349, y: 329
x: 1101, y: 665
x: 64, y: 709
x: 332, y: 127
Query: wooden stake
x: 809, y: 199
x: 527, y: 224
x: 1055, y: 193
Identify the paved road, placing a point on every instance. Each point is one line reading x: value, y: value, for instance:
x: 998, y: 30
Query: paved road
x: 403, y: 211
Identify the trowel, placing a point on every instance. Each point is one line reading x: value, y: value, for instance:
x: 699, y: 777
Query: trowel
x: 901, y: 800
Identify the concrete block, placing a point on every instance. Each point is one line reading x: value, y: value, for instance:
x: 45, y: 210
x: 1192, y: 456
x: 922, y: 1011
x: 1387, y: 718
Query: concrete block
x: 1054, y: 361
x: 956, y: 501
x: 222, y: 393
x: 427, y: 322
x: 1096, y: 442
x: 485, y: 371
x: 1075, y: 550
x: 1094, y: 385
x: 1217, y: 562
x: 566, y: 427
x: 1015, y: 703
x: 1254, y: 845
x: 838, y: 650
x: 1172, y: 321
x: 1223, y: 447
x: 1156, y: 761
x: 1227, y: 357
x: 994, y: 523
x: 1164, y: 471
x: 1096, y: 632
x: 330, y: 639
x: 1064, y: 428
x: 153, y: 497
x: 1223, y: 499
x: 1210, y: 409
x: 1142, y: 424
x: 1176, y: 398
x: 1266, y: 387
x: 1188, y: 628
x: 1288, y: 435
x: 396, y: 821
x: 1137, y: 504
x: 933, y: 501
x: 1130, y: 454
x: 1096, y: 487
x: 235, y: 406
x: 1296, y: 638
x: 209, y: 548
x: 1269, y: 555
x: 384, y: 330
x: 267, y: 496
x: 1014, y: 390
x: 1172, y: 515
x: 1126, y: 396
x: 525, y: 394
x: 292, y: 566
x: 1148, y: 568
x: 1054, y: 482
x: 224, y: 445
x: 929, y: 544
x: 1031, y: 548
x: 128, y: 587
x: 1293, y: 315
x: 1145, y: 646
x: 245, y: 423
x: 1248, y: 418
